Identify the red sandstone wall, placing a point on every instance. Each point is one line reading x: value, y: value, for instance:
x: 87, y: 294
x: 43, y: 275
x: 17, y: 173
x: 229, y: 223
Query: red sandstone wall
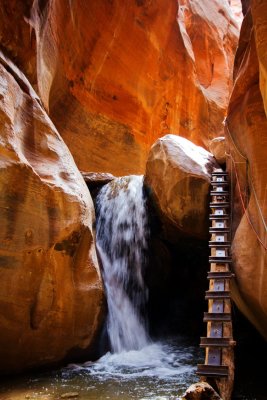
x: 51, y: 295
x: 116, y: 75
x: 248, y: 127
x: 17, y: 38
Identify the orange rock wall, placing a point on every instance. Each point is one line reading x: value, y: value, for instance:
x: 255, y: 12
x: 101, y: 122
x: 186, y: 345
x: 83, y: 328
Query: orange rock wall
x: 115, y: 76
x: 247, y: 145
x: 17, y: 38
x: 51, y: 297
x: 259, y: 15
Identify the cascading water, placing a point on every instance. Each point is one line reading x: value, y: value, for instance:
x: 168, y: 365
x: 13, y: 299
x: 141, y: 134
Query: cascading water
x: 137, y: 368
x: 122, y: 232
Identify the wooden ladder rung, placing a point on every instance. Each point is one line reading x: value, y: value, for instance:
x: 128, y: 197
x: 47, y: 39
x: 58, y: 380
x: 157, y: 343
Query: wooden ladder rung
x: 214, y: 243
x: 219, y: 193
x: 220, y: 275
x: 218, y: 317
x: 220, y: 259
x: 219, y: 230
x: 217, y: 204
x: 216, y: 342
x: 221, y: 371
x: 222, y: 294
x: 218, y: 217
x: 216, y: 183
x: 218, y: 173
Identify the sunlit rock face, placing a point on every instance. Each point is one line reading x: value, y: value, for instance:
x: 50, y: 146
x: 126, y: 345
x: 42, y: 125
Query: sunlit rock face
x: 116, y: 75
x: 178, y: 174
x: 237, y: 10
x: 247, y: 145
x: 51, y: 293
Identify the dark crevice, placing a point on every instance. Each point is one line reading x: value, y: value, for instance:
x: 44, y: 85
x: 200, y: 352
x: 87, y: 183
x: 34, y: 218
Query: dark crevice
x: 250, y: 360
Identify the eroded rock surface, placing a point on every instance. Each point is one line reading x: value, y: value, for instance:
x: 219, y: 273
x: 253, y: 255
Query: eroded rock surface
x: 247, y: 138
x: 93, y: 179
x: 152, y: 70
x: 178, y: 174
x: 17, y: 37
x: 51, y: 293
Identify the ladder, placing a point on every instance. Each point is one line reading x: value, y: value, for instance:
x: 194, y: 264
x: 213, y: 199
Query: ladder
x: 219, y: 341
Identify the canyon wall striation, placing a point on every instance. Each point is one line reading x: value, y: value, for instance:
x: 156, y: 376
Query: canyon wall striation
x: 115, y: 77
x: 246, y: 132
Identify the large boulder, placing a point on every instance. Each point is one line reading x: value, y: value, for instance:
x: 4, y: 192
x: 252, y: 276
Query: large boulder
x: 178, y: 173
x: 116, y: 76
x: 247, y: 137
x: 217, y: 148
x: 51, y: 296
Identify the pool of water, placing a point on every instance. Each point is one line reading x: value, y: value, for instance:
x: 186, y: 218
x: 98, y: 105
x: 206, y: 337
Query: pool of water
x: 161, y: 370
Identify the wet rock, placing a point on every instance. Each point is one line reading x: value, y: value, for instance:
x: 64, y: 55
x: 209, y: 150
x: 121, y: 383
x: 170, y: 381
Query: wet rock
x: 97, y: 179
x: 201, y: 391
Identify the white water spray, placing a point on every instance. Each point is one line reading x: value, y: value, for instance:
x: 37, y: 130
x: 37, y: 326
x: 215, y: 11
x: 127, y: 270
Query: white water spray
x: 122, y: 230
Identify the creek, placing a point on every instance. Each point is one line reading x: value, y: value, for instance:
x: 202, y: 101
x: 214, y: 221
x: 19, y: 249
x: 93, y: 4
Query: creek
x: 161, y: 370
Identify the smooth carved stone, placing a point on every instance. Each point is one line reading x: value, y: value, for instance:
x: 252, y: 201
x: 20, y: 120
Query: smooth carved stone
x: 51, y: 292
x: 247, y: 141
x: 178, y: 174
x: 153, y: 70
x: 201, y: 391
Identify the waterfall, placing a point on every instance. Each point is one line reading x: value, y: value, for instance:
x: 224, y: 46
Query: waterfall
x: 121, y: 235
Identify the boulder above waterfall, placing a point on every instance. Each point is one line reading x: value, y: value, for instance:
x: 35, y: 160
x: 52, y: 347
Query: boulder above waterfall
x: 178, y: 174
x: 51, y: 298
x: 218, y: 149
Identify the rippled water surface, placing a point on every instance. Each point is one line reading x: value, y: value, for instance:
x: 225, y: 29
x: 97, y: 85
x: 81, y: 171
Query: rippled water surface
x: 159, y: 371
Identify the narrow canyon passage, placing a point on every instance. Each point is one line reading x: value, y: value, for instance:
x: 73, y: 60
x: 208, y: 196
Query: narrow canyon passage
x: 114, y: 117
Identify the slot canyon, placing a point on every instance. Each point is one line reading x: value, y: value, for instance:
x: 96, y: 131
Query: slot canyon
x: 131, y: 134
